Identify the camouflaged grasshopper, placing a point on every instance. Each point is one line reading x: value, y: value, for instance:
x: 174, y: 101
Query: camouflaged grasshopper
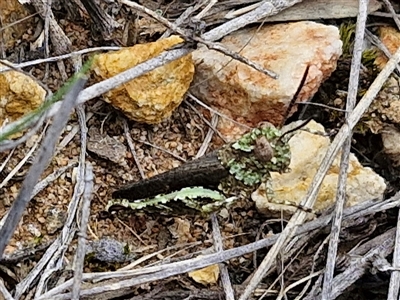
x: 236, y: 169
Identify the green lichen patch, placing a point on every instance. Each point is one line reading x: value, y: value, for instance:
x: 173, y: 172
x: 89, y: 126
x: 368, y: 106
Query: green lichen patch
x: 192, y: 199
x: 243, y: 164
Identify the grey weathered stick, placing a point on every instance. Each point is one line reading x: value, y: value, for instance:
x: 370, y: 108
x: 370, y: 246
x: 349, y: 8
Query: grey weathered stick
x: 164, y: 271
x: 344, y: 163
x: 132, y: 147
x: 24, y: 285
x: 390, y: 8
x: 60, y: 41
x: 204, y: 146
x: 320, y: 9
x: 394, y: 284
x: 377, y: 42
x: 81, y: 250
x: 226, y: 282
x: 69, y: 229
x: 51, y: 178
x: 267, y: 8
x: 42, y: 160
x: 189, y: 36
x: 300, y: 215
x: 359, y: 265
x: 4, y: 292
x: 54, y: 58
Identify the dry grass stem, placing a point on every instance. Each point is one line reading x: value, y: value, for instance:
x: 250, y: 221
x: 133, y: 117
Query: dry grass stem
x: 344, y: 163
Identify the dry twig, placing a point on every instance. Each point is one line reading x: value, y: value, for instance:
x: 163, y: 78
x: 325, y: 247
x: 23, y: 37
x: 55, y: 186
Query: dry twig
x: 4, y: 292
x: 189, y: 36
x: 344, y: 163
x: 218, y: 245
x: 132, y: 147
x: 81, y: 250
x: 151, y: 274
x: 45, y: 153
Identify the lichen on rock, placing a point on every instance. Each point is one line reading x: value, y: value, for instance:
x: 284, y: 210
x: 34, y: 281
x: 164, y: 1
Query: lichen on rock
x: 245, y: 167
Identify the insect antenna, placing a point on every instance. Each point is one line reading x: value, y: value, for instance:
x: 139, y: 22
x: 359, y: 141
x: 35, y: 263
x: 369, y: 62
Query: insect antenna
x: 296, y: 95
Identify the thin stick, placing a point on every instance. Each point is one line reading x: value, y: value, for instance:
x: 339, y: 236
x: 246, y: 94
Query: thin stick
x: 198, y: 101
x: 209, y: 135
x: 132, y: 147
x: 389, y: 6
x: 164, y: 271
x: 81, y: 250
x: 300, y: 215
x: 266, y: 8
x: 394, y: 284
x: 358, y: 265
x: 24, y: 160
x: 191, y: 37
x: 377, y: 42
x: 344, y: 164
x: 226, y: 282
x: 209, y: 124
x: 4, y: 292
x: 206, y: 9
x: 51, y: 178
x: 53, y: 59
x: 44, y: 155
x: 3, y: 165
x: 69, y: 229
x: 161, y: 149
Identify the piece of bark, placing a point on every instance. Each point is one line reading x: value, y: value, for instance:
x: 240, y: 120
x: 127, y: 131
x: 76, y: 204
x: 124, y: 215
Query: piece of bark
x: 206, y: 171
x: 60, y: 42
x: 105, y: 24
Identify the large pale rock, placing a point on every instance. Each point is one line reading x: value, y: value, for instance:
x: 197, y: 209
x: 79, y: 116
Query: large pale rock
x: 19, y: 95
x: 287, y: 49
x: 152, y: 97
x: 308, y: 150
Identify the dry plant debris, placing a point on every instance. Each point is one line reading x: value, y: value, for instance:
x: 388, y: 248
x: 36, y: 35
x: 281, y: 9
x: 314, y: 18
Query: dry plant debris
x: 157, y: 251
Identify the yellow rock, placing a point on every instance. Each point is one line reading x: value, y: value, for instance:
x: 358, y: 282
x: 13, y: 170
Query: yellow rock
x: 19, y: 95
x: 207, y: 275
x: 154, y: 96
